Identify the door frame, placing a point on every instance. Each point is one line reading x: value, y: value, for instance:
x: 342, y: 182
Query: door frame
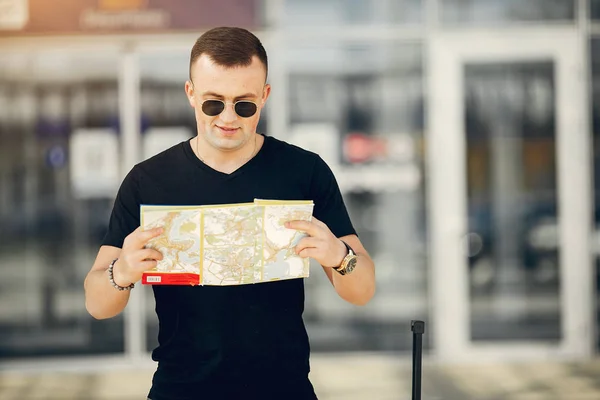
x: 447, y: 197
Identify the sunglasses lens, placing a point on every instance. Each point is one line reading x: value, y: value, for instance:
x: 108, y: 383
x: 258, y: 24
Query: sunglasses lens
x: 213, y: 107
x: 245, y: 109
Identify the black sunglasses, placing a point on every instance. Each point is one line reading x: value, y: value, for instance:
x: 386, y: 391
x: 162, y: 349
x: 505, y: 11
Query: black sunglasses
x: 243, y: 108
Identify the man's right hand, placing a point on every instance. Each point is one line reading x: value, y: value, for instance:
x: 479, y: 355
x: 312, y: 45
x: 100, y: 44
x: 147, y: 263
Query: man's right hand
x: 134, y: 258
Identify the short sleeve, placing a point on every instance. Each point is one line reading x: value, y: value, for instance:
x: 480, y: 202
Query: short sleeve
x: 125, y: 215
x: 329, y: 204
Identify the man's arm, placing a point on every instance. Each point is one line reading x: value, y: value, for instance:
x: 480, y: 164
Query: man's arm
x: 102, y: 299
x: 357, y: 287
x: 321, y: 244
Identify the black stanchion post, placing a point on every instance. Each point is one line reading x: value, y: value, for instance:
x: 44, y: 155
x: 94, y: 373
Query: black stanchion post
x: 418, y: 329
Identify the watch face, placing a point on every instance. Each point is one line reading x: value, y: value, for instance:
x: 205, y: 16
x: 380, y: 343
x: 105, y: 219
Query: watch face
x: 351, y: 264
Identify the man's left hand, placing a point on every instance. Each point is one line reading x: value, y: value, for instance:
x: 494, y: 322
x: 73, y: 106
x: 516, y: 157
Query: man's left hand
x: 320, y: 244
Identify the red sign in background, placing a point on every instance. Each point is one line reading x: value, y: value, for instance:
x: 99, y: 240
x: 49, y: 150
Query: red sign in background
x: 60, y: 17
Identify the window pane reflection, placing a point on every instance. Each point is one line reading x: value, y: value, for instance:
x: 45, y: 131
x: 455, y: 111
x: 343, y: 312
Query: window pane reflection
x: 485, y: 11
x: 360, y: 106
x: 595, y: 9
x: 328, y: 13
x: 595, y: 70
x: 512, y: 201
x: 56, y: 192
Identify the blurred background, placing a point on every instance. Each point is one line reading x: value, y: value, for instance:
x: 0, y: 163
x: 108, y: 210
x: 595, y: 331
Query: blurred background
x: 463, y: 136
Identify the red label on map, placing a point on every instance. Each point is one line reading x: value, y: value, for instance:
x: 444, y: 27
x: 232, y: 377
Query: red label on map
x: 171, y: 278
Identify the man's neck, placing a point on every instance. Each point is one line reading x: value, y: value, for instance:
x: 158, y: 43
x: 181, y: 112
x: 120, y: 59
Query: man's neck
x: 227, y: 161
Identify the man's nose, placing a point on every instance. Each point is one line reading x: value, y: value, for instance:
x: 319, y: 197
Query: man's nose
x: 228, y: 114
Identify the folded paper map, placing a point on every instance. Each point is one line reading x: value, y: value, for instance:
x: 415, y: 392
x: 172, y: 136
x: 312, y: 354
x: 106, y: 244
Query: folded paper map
x: 227, y: 244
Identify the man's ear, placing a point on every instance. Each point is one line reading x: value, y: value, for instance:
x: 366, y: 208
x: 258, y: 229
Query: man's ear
x: 189, y: 92
x: 266, y: 93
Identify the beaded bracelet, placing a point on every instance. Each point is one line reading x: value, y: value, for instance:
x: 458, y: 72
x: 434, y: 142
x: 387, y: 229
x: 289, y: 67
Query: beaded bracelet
x: 112, y: 278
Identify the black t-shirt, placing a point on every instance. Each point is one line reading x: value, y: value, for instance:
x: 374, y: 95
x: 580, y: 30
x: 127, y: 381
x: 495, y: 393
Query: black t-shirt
x: 219, y: 342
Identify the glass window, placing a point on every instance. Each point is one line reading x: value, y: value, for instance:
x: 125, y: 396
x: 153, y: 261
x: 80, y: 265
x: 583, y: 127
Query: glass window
x: 59, y: 157
x: 595, y: 9
x: 499, y: 11
x: 513, y: 242
x: 327, y: 13
x: 595, y: 70
x: 360, y: 106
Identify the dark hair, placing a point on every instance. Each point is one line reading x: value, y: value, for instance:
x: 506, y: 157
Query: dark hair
x: 229, y: 47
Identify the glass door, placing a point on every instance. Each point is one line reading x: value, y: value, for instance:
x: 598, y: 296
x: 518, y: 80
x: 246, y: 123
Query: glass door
x: 510, y: 195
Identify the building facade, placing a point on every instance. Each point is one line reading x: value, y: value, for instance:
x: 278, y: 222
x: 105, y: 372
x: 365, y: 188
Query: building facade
x: 463, y: 135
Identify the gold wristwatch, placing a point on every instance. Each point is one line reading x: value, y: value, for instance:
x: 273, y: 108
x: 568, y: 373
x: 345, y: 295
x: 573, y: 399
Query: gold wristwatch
x: 348, y: 263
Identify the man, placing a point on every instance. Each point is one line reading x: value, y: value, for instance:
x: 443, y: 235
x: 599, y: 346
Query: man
x: 229, y: 342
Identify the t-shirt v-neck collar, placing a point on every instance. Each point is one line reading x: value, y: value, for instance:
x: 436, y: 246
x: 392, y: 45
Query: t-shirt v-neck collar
x: 189, y: 152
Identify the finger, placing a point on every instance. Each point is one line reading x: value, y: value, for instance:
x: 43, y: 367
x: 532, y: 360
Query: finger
x: 307, y: 242
x: 318, y: 223
x: 146, y: 265
x: 140, y: 237
x: 309, y: 252
x: 148, y: 254
x: 302, y: 226
x: 145, y: 235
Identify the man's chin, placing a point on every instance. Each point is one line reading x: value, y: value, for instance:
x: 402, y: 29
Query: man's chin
x: 226, y: 143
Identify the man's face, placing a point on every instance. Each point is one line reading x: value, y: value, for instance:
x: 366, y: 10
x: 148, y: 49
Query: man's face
x: 226, y: 131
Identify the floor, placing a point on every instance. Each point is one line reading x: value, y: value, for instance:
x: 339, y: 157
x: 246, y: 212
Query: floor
x: 346, y: 378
